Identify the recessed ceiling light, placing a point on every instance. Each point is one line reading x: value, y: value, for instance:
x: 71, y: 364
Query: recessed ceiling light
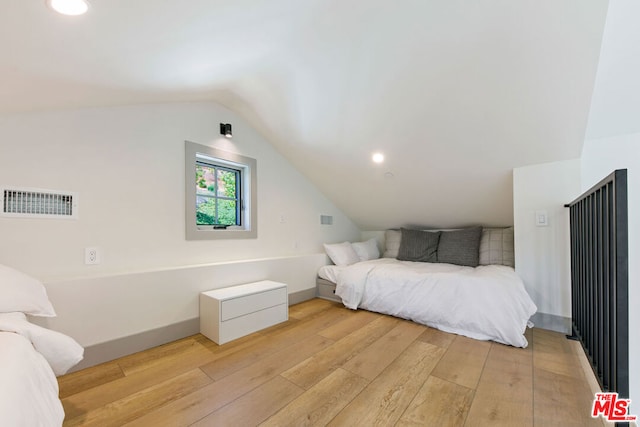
x: 378, y: 157
x: 69, y: 7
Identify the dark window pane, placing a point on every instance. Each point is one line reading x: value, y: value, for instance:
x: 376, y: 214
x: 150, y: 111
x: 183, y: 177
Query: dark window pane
x: 205, y: 180
x: 205, y: 211
x: 227, y: 212
x: 226, y: 184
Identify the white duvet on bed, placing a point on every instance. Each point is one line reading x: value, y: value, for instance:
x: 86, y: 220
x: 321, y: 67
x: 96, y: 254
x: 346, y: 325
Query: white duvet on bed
x: 61, y: 351
x: 28, y: 389
x: 486, y: 302
x: 30, y: 358
x: 331, y: 272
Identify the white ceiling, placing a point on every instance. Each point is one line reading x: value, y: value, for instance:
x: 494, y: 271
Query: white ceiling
x: 454, y: 93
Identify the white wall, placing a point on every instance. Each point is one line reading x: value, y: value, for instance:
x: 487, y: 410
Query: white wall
x: 599, y: 158
x: 101, y: 309
x: 542, y: 253
x: 127, y: 164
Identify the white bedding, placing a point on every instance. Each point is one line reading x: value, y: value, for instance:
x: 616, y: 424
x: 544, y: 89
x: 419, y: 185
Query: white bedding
x: 30, y: 358
x: 61, y: 351
x: 486, y: 302
x: 330, y: 272
x: 28, y: 386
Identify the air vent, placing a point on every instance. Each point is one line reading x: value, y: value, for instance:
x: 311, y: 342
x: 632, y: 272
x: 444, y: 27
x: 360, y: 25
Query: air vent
x: 326, y: 219
x: 38, y: 203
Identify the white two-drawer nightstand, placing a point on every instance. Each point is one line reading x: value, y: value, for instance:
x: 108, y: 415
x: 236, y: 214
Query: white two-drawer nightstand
x: 236, y: 311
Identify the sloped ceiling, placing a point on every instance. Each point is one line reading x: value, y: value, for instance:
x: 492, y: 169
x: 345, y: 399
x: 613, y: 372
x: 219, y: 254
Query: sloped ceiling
x: 615, y: 106
x: 454, y: 93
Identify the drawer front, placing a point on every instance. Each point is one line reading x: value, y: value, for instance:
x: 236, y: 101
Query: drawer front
x: 243, y: 305
x: 245, y: 325
x: 328, y: 291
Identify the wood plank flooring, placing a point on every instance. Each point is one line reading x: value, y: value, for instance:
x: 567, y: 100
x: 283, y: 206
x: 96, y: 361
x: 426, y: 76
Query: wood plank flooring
x: 332, y: 366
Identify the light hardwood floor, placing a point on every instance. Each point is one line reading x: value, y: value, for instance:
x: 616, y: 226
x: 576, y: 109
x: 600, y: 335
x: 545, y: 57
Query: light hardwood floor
x: 332, y: 366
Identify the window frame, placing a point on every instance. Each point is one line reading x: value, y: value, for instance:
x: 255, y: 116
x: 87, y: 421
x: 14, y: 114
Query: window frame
x: 248, y: 201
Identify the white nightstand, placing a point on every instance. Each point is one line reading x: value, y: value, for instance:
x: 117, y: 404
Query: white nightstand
x: 230, y: 313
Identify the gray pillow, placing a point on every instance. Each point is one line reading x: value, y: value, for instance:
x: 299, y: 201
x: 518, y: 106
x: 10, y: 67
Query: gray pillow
x: 416, y: 245
x: 496, y: 246
x: 460, y: 247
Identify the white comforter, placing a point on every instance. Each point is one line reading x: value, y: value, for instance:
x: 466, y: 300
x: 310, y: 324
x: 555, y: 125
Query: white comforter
x: 30, y: 358
x: 28, y: 387
x: 486, y: 302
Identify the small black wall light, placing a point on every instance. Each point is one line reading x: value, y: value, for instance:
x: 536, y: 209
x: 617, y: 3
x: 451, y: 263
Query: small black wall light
x: 225, y: 129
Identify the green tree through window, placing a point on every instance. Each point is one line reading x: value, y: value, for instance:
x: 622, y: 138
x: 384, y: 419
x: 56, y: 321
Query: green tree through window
x: 217, y: 195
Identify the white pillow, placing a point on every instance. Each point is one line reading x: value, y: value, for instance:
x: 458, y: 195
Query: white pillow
x: 367, y: 250
x: 21, y: 293
x: 392, y: 243
x: 341, y: 253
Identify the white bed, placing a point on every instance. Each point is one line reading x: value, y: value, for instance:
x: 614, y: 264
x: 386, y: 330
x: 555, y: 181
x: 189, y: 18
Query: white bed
x: 487, y: 301
x: 30, y: 356
x: 29, y: 390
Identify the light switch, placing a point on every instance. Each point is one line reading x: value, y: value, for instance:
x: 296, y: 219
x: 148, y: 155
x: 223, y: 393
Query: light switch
x: 542, y: 220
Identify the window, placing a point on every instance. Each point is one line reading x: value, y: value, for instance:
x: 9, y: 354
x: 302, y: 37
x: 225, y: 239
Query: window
x: 217, y: 194
x: 221, y: 200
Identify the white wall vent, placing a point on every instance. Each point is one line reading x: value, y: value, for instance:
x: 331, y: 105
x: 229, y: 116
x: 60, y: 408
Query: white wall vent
x: 326, y: 219
x: 38, y: 203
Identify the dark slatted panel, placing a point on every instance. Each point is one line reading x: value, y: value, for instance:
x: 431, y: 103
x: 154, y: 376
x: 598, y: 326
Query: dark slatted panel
x: 599, y: 279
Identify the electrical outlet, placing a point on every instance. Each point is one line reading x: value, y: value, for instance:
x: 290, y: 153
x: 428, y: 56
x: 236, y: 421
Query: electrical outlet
x: 91, y: 256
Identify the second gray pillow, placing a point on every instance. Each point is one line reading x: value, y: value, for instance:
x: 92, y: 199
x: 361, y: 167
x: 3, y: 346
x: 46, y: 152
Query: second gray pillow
x: 461, y: 247
x: 417, y: 245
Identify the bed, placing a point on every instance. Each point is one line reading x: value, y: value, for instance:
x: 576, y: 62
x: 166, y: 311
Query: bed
x: 30, y: 356
x: 484, y: 299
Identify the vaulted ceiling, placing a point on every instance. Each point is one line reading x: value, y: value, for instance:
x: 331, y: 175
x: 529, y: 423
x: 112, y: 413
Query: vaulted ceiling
x: 454, y: 93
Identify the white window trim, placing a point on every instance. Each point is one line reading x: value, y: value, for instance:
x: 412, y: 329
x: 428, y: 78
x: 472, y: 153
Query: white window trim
x: 249, y: 199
